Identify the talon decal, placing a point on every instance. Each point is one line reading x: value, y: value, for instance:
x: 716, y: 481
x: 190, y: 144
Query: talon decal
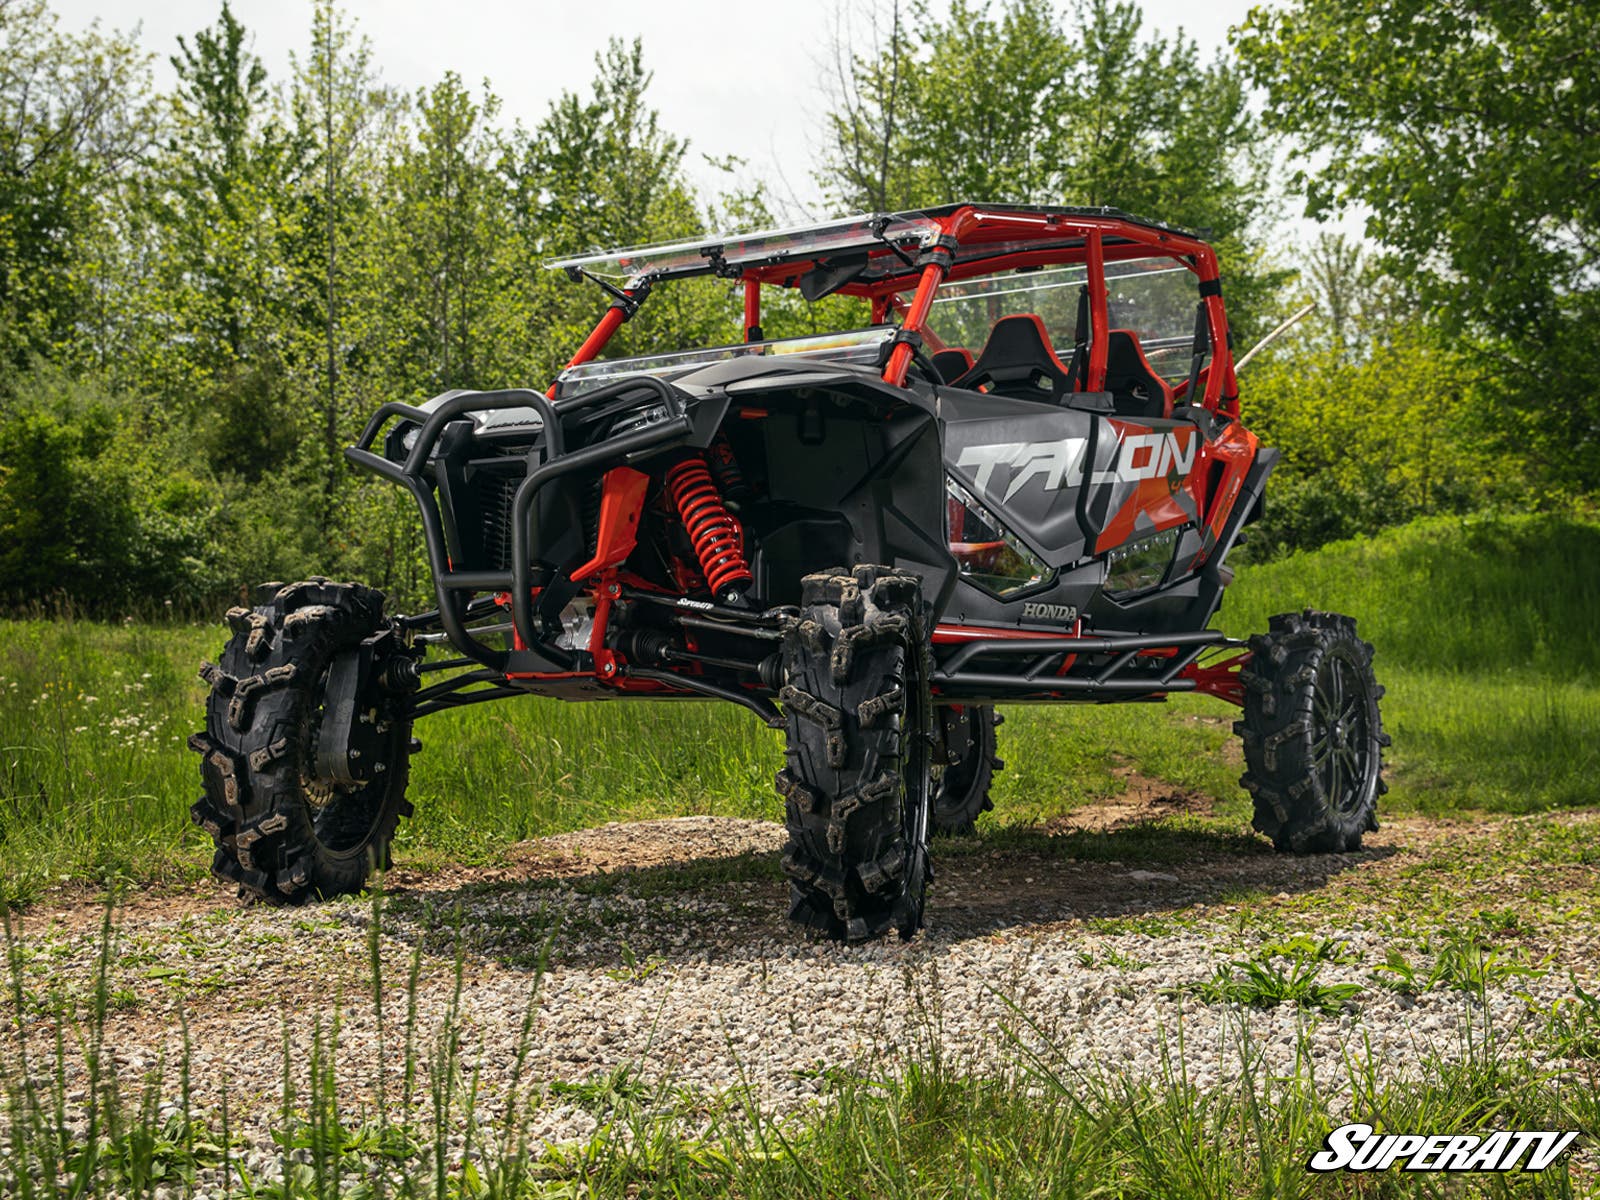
x: 1168, y: 455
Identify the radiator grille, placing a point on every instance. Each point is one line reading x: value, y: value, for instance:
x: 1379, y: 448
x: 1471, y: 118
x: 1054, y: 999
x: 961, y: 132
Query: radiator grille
x: 498, y: 493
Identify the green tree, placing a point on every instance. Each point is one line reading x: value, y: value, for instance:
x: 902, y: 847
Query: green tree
x: 1378, y: 428
x: 1018, y: 103
x: 1467, y: 130
x: 74, y: 117
x: 93, y: 508
x: 218, y: 307
x: 234, y: 158
x: 342, y: 115
x: 442, y: 228
x: 599, y: 172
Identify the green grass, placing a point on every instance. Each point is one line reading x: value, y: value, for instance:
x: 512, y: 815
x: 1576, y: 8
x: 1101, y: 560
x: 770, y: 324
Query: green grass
x: 1481, y: 627
x: 1033, y: 1122
x: 1484, y: 635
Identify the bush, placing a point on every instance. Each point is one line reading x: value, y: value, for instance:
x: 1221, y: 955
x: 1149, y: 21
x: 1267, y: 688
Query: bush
x: 1406, y: 429
x: 102, y: 507
x: 91, y: 510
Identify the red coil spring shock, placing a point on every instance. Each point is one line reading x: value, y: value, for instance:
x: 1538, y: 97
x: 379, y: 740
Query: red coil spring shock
x: 716, y: 535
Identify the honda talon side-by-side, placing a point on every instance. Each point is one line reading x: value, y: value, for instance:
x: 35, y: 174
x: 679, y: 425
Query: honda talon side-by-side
x: 1018, y: 483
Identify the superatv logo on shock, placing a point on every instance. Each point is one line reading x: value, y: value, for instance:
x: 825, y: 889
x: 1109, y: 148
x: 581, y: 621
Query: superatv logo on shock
x: 1355, y: 1147
x: 1061, y: 464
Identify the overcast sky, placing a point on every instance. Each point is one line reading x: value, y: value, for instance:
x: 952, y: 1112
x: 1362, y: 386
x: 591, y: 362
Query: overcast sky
x: 734, y: 79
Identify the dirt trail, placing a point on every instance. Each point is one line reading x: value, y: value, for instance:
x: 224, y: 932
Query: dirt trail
x: 1164, y: 872
x: 660, y: 947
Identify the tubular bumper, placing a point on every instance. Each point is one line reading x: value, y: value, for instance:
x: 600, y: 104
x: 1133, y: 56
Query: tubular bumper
x: 553, y: 462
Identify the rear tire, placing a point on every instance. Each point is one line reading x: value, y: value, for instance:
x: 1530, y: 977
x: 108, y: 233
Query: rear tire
x: 857, y: 782
x: 970, y: 762
x: 281, y: 832
x: 1313, y: 737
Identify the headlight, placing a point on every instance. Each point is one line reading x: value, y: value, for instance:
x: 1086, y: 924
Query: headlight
x: 1142, y: 563
x: 629, y: 422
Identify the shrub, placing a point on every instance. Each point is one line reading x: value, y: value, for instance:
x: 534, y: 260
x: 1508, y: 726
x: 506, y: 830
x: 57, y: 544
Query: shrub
x: 93, y: 510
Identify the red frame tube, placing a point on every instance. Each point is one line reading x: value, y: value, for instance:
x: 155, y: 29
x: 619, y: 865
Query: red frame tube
x: 1099, y: 314
x: 752, y: 309
x: 894, y: 372
x: 613, y: 320
x: 601, y: 334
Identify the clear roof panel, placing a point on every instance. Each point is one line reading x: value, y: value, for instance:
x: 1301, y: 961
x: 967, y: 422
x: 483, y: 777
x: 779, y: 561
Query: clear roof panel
x: 864, y: 232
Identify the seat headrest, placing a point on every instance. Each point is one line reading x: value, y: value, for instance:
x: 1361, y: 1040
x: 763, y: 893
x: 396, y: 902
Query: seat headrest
x: 1137, y: 389
x: 952, y: 363
x: 1016, y: 357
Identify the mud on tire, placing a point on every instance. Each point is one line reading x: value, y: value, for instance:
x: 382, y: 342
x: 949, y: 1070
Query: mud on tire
x: 280, y: 832
x: 856, y: 784
x: 1313, y: 737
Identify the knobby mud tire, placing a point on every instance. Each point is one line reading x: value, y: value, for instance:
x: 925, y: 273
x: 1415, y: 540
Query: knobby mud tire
x: 856, y: 786
x: 1312, y: 732
x: 280, y: 833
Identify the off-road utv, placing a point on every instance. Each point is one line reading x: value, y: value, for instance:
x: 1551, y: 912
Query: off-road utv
x: 1018, y: 483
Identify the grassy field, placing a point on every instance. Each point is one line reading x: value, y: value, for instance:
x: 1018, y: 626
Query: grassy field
x: 1039, y: 1122
x: 1482, y: 628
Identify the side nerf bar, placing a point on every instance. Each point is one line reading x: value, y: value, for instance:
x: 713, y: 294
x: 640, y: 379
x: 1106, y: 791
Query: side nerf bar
x: 554, y: 462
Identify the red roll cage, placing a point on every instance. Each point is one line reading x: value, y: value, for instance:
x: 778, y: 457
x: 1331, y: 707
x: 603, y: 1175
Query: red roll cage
x: 953, y: 243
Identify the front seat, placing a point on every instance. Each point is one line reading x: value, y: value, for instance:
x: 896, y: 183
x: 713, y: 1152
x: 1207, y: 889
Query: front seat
x: 1136, y: 390
x: 1017, y: 361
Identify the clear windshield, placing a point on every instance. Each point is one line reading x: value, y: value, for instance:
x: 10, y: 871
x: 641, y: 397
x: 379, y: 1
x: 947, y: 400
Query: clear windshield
x: 860, y: 346
x: 767, y: 245
x: 964, y: 313
x: 1154, y: 299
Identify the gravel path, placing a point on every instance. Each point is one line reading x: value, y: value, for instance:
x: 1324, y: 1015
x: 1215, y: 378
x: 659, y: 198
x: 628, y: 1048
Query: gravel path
x: 669, y: 960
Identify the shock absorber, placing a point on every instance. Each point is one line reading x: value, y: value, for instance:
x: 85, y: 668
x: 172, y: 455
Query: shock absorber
x: 725, y: 469
x: 715, y: 533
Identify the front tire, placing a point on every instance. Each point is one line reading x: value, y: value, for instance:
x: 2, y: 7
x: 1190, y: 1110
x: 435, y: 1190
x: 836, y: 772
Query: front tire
x: 1313, y: 736
x: 284, y: 830
x: 857, y: 781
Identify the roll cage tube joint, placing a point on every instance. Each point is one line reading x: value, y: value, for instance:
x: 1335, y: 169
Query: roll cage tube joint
x: 894, y: 373
x: 624, y: 303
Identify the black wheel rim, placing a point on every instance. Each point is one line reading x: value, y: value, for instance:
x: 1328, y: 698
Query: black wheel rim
x: 955, y: 784
x: 1341, y: 733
